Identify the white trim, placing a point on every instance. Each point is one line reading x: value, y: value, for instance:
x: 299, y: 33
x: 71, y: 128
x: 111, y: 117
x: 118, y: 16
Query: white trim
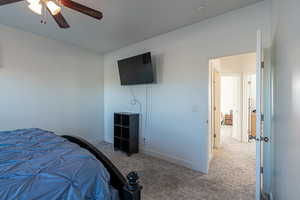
x: 174, y: 160
x: 171, y: 159
x: 210, y: 139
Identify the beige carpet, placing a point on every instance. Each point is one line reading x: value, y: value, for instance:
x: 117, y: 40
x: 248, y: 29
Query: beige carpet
x: 231, y: 176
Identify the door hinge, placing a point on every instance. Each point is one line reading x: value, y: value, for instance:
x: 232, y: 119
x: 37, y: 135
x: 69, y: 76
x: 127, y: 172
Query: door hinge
x: 262, y: 117
x: 215, y: 108
x: 262, y: 64
x: 261, y: 170
x: 215, y: 135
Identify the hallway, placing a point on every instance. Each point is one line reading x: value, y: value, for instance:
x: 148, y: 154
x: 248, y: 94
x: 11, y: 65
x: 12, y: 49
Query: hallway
x: 234, y: 165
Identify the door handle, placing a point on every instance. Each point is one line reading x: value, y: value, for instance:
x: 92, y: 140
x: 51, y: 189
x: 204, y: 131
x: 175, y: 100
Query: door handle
x: 264, y: 139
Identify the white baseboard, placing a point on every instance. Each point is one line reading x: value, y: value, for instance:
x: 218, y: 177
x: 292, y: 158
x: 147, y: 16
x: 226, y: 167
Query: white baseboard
x: 171, y: 159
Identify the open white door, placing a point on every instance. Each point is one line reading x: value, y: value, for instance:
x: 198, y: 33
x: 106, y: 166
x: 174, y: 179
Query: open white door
x: 259, y: 117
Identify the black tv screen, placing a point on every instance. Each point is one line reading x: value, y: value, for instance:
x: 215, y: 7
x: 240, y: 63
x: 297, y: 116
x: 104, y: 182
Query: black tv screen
x: 136, y: 70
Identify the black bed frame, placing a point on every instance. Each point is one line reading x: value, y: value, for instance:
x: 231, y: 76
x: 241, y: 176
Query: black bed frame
x: 128, y: 189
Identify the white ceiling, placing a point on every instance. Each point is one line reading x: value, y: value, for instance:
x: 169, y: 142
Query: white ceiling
x: 125, y: 21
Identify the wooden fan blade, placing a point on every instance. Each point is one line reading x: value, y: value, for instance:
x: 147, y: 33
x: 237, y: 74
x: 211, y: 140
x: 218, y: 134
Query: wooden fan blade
x: 83, y: 9
x: 60, y: 20
x: 4, y: 2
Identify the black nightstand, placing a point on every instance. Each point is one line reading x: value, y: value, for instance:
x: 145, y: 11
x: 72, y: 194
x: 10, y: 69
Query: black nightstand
x: 126, y: 132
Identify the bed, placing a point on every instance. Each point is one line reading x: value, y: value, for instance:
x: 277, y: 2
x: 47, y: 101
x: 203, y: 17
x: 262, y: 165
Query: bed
x: 38, y: 164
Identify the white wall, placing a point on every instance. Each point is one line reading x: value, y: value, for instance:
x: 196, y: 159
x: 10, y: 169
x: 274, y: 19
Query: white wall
x: 286, y: 51
x: 177, y: 126
x: 244, y: 63
x: 49, y: 85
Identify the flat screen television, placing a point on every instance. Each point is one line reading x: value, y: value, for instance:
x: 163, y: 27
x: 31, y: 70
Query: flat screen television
x: 136, y: 70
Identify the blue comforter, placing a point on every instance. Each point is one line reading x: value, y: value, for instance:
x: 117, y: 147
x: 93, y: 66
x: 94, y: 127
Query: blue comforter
x: 37, y: 164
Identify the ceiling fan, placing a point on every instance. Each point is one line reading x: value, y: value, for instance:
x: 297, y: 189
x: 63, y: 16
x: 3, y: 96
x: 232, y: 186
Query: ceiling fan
x: 54, y: 8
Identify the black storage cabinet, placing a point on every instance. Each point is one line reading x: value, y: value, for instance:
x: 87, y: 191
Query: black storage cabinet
x: 126, y: 132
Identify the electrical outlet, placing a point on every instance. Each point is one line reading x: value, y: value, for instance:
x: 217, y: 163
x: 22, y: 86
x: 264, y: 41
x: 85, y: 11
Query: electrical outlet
x: 145, y: 141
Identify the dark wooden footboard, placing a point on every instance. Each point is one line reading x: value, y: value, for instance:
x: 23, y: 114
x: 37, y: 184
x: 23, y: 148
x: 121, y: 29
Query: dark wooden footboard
x: 128, y: 189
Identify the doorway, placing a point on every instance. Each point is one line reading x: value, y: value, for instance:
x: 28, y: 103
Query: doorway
x: 233, y: 96
x: 233, y: 117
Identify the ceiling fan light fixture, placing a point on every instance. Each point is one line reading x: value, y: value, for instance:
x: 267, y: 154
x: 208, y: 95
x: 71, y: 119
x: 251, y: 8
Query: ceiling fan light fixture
x: 53, y: 7
x: 36, y: 8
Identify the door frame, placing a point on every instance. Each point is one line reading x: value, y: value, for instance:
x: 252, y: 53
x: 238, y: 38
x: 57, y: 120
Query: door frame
x: 268, y: 108
x: 210, y: 120
x: 216, y: 109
